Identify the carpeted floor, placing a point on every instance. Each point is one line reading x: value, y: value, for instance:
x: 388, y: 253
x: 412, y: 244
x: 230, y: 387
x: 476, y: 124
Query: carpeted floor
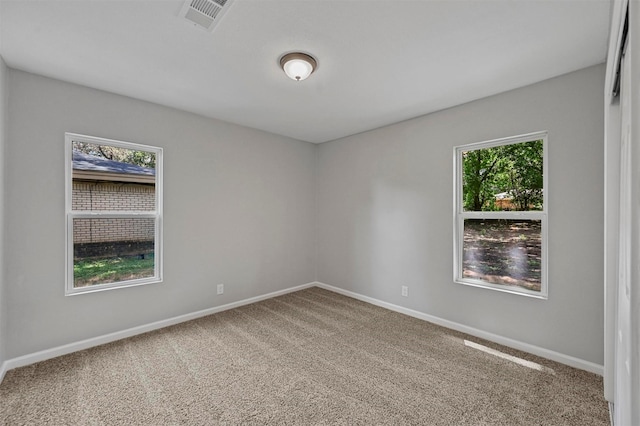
x: 306, y: 358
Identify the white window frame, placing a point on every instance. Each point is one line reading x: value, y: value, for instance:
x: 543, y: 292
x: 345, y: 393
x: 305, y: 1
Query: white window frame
x: 94, y: 214
x: 460, y: 215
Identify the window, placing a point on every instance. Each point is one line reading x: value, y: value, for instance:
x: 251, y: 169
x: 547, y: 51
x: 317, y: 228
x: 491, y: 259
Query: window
x: 501, y: 220
x: 114, y: 214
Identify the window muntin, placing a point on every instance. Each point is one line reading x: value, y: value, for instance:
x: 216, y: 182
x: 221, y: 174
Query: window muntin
x: 114, y: 214
x: 500, y: 219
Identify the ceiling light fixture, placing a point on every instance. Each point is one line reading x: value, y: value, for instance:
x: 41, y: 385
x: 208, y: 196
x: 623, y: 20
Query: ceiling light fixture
x: 298, y: 66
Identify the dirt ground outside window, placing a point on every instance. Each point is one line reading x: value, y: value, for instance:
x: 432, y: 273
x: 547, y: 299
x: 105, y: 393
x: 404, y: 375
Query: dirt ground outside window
x: 503, y: 251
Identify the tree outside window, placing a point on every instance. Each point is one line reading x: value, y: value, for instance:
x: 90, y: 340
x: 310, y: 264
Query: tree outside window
x: 501, y: 215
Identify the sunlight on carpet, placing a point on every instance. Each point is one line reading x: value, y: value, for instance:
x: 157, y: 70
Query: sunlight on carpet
x: 519, y: 361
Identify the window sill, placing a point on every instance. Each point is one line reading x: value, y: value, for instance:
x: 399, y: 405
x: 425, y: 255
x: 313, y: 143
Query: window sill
x: 505, y: 289
x: 112, y: 286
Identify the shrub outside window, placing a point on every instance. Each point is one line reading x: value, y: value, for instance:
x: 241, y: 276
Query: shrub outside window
x: 114, y: 214
x: 500, y: 229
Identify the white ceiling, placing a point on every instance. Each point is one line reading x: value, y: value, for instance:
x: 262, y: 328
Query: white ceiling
x: 380, y: 62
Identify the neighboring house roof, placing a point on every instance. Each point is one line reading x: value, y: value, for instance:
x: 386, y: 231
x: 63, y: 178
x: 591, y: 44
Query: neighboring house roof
x: 91, y: 167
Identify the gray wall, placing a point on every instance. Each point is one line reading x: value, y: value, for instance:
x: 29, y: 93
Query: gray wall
x: 253, y: 210
x: 239, y: 210
x: 385, y: 212
x: 3, y: 135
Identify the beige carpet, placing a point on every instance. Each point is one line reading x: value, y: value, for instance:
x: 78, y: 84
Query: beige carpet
x: 306, y: 358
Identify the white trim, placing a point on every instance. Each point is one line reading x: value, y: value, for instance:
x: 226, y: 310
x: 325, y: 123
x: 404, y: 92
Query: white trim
x: 612, y: 134
x: 474, y: 282
x: 459, y: 215
x: 113, y: 142
x: 114, y: 214
x: 509, y: 140
x: 46, y: 354
x: 618, y: 13
x: 70, y: 289
x: 3, y: 370
x: 515, y: 344
x: 110, y: 286
x: 611, y: 408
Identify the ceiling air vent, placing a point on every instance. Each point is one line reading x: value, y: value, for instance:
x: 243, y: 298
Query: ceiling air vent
x: 205, y: 13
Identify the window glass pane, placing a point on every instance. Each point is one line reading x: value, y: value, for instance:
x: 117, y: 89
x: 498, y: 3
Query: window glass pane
x: 501, y: 178
x: 503, y: 251
x: 109, y: 250
x: 111, y: 178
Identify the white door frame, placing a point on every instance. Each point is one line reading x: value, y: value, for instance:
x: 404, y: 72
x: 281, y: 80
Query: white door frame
x: 622, y: 218
x: 612, y: 193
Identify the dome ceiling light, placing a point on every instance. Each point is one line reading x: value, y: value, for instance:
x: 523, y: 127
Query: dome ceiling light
x: 298, y: 66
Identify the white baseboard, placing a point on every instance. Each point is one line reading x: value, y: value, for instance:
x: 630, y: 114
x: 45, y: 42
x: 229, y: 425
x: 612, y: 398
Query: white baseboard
x: 3, y: 370
x: 28, y: 359
x: 515, y: 344
x: 111, y: 337
x: 611, y: 419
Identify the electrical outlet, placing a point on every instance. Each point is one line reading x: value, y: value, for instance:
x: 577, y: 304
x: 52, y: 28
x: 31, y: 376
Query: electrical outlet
x: 220, y: 288
x: 405, y: 291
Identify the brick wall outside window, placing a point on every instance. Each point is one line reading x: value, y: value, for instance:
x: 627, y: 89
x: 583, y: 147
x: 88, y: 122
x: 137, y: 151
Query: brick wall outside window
x: 112, y: 197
